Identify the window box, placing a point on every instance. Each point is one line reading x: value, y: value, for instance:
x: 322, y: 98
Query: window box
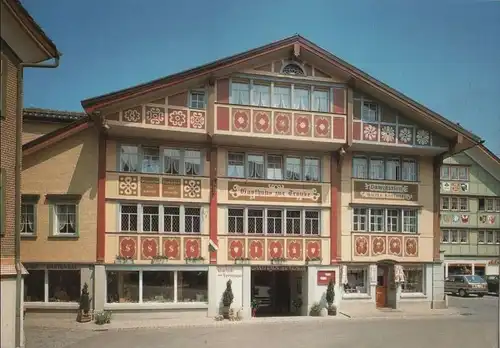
x: 159, y: 260
x: 123, y: 260
x: 199, y: 259
x: 313, y: 260
x: 242, y: 261
x: 278, y: 261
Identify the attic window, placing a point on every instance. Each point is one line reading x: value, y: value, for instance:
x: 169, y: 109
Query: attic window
x: 293, y: 69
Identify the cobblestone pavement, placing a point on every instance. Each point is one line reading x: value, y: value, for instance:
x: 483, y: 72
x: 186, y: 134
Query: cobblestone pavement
x: 478, y: 328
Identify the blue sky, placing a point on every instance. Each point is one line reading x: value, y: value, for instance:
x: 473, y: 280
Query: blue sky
x: 442, y: 53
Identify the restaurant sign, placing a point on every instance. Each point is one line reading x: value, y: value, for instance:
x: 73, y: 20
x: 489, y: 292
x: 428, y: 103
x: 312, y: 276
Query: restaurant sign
x: 279, y: 268
x: 388, y: 191
x: 262, y: 192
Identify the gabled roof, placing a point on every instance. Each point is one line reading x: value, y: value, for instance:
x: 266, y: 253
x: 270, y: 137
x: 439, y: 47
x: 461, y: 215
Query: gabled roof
x: 486, y: 159
x: 57, y: 135
x: 356, y: 77
x: 49, y: 115
x: 33, y: 27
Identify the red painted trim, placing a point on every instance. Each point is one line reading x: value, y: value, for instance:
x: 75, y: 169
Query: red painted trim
x: 335, y: 182
x: 213, y: 203
x: 101, y: 200
x: 54, y: 139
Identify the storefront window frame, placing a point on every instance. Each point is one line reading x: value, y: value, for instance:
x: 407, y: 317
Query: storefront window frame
x: 141, y: 301
x: 423, y: 293
x: 367, y: 281
x: 46, y: 270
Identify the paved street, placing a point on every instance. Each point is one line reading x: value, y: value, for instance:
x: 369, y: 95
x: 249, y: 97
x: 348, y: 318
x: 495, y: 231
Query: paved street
x: 477, y: 328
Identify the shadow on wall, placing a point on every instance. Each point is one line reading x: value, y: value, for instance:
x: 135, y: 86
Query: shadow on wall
x: 84, y: 176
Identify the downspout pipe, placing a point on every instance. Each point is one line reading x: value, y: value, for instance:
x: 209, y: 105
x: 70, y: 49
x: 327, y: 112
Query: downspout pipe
x: 17, y: 205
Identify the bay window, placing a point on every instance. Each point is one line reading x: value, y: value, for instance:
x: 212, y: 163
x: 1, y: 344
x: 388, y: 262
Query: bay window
x: 378, y: 219
x: 272, y: 221
x: 378, y: 167
x: 150, y: 218
x: 160, y: 160
x: 157, y: 286
x: 273, y: 167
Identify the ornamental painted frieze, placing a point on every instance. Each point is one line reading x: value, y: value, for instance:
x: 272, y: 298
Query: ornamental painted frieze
x: 236, y: 248
x: 405, y: 135
x: 294, y: 249
x: 282, y: 123
x: 455, y: 218
x: 155, y: 115
x: 313, y: 248
x: 171, y: 248
x: 322, y: 127
x: 487, y: 219
x: 132, y: 115
x: 370, y: 132
x: 423, y: 137
x: 241, y: 120
x: 388, y: 134
x: 256, y: 249
x: 411, y: 246
x: 456, y: 187
x: 177, y: 118
x: 191, y: 188
x: 361, y: 246
x: 127, y: 247
x: 262, y: 122
x: 128, y: 185
x: 378, y: 245
x: 395, y: 245
x: 192, y: 247
x: 197, y: 120
x: 275, y: 249
x: 149, y: 247
x: 302, y: 125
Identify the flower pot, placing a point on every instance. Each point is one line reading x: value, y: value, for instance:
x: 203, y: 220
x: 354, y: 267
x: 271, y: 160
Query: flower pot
x: 332, y: 310
x: 254, y: 312
x: 225, y: 312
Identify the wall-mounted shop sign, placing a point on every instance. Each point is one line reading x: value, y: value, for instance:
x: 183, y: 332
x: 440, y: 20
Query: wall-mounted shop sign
x: 379, y: 190
x: 53, y: 266
x: 279, y: 268
x: 244, y: 191
x: 324, y: 277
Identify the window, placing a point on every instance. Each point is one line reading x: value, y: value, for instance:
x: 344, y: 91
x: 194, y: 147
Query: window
x: 454, y: 203
x: 51, y: 285
x: 292, y: 221
x: 413, y: 279
x: 192, y: 286
x: 159, y: 218
x: 197, y: 100
x: 381, y: 168
x: 34, y: 286
x: 320, y: 101
x: 357, y: 280
x: 261, y: 95
x: 370, y: 112
x: 3, y: 86
x: 489, y: 204
x: 240, y: 93
x: 282, y: 97
x: 301, y: 99
x: 455, y: 236
x: 158, y: 160
x: 157, y: 286
x: 28, y: 221
x: 273, y: 167
x: 454, y: 172
x: 65, y: 219
x: 292, y: 69
x: 488, y: 237
x: 385, y: 220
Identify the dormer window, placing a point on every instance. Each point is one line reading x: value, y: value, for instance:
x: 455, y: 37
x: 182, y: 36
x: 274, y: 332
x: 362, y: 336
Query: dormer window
x: 293, y: 69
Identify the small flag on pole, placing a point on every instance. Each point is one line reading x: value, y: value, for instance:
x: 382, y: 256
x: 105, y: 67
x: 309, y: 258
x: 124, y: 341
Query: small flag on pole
x: 212, y: 247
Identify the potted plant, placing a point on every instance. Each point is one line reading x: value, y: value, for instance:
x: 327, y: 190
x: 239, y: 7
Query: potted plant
x: 254, y: 305
x: 83, y: 315
x: 313, y: 260
x: 159, y: 259
x: 297, y: 304
x: 330, y: 297
x: 227, y: 299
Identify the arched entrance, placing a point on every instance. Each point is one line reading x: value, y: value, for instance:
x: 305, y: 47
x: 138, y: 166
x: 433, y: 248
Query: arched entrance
x: 386, y: 291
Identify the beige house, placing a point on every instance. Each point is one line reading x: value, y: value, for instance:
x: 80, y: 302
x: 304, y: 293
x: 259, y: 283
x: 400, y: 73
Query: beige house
x: 23, y: 44
x: 280, y: 168
x: 59, y: 183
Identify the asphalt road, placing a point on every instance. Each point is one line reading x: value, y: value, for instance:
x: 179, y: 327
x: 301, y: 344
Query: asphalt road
x: 477, y: 327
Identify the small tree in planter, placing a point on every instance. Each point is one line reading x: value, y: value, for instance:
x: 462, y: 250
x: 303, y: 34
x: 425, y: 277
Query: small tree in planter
x: 254, y: 305
x: 330, y: 297
x: 84, y: 309
x: 227, y: 299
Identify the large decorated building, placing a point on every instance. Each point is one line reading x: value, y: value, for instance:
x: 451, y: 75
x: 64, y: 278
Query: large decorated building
x: 280, y: 169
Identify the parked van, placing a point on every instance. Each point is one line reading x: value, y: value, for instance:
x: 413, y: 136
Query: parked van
x: 465, y: 285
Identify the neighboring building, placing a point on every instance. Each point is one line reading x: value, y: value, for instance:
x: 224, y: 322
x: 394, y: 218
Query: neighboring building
x: 279, y: 168
x: 470, y: 212
x: 23, y: 44
x: 59, y: 205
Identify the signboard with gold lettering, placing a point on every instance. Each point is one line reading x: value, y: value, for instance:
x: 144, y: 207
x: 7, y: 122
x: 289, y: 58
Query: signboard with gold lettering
x: 388, y: 191
x: 171, y: 188
x: 262, y: 192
